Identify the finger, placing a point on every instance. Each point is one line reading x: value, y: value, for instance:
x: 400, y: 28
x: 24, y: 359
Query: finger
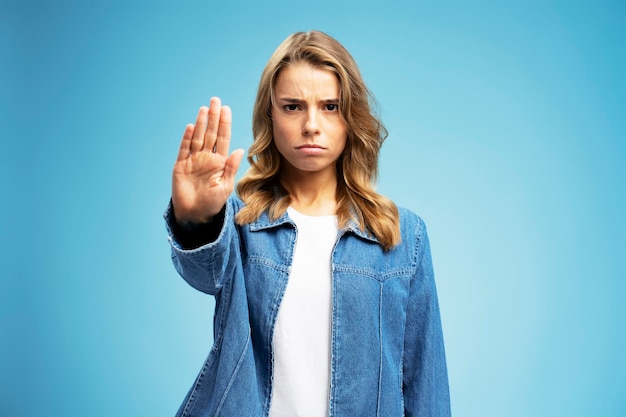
x: 224, y: 131
x: 214, y: 120
x: 231, y: 167
x: 185, y: 143
x: 197, y: 140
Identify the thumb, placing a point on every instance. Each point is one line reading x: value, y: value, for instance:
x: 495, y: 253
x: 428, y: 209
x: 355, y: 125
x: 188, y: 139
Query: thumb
x: 232, y: 165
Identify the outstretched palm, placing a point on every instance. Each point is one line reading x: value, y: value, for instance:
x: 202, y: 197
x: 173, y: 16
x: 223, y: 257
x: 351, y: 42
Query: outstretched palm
x: 204, y: 173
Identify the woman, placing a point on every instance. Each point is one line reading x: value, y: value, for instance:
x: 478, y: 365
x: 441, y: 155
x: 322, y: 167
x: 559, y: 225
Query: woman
x: 325, y: 296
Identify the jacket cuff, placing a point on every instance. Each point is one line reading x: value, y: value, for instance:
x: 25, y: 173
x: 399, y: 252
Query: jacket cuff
x: 190, y: 236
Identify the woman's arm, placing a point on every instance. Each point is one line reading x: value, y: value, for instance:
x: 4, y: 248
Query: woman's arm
x: 425, y: 385
x: 198, y: 218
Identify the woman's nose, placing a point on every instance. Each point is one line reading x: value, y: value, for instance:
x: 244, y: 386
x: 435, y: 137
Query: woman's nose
x: 311, y: 126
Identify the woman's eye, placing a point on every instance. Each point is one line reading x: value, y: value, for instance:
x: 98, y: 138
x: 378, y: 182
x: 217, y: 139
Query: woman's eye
x: 331, y: 107
x: 291, y: 107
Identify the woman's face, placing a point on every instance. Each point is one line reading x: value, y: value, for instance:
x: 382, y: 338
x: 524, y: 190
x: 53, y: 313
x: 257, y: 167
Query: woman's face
x: 309, y: 131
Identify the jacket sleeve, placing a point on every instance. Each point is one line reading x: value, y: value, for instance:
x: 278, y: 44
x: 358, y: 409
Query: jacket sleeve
x: 425, y: 377
x: 207, y: 266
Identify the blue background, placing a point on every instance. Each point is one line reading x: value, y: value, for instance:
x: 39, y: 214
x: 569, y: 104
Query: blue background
x: 507, y: 135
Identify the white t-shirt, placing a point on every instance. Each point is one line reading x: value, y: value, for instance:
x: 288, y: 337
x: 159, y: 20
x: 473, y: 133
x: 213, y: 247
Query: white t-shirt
x: 303, y: 326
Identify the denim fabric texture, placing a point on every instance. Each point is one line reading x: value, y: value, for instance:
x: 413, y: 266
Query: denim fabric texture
x: 387, y: 351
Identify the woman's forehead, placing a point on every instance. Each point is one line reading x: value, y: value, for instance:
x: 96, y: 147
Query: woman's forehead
x: 304, y: 79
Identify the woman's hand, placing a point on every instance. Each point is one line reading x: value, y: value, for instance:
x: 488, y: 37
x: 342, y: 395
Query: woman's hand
x: 204, y: 174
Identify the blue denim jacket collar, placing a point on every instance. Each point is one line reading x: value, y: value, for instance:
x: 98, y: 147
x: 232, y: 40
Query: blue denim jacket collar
x: 264, y: 222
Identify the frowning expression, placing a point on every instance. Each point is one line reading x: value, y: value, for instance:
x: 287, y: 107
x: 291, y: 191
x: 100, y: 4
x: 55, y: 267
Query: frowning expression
x: 309, y: 131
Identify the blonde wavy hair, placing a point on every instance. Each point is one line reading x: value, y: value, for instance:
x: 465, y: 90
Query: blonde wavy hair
x: 357, y: 167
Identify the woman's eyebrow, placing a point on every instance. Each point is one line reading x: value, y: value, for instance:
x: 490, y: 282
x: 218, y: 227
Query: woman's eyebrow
x: 290, y: 100
x: 298, y: 100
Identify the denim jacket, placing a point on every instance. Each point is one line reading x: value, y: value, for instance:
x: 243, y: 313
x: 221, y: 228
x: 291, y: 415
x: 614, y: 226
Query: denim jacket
x: 387, y: 351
